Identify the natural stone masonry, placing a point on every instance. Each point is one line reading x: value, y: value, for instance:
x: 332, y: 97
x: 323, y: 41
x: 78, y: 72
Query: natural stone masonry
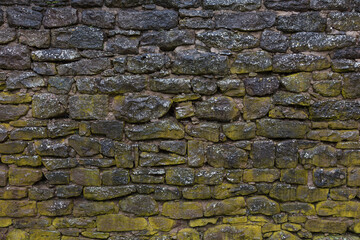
x: 179, y: 119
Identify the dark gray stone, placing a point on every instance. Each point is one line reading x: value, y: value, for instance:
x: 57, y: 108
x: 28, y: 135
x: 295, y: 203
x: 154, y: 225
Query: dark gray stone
x: 53, y: 148
x: 263, y: 154
x: 287, y: 5
x: 335, y: 110
x: 261, y: 86
x: 7, y: 35
x: 47, y: 105
x: 341, y: 5
x: 237, y: 5
x: 110, y: 128
x: 349, y: 53
x: 170, y: 85
x: 140, y: 108
x: 351, y: 87
x: 59, y: 17
x: 197, y: 23
x: 18, y: 79
x: 55, y: 55
x: 140, y: 205
x: 147, y: 20
x: 88, y: 106
x: 226, y: 156
x: 204, y: 86
x: 147, y: 63
x: 44, y: 68
x: 232, y: 87
x: 309, y: 41
x: 1, y: 17
x: 288, y: 98
x: 178, y: 3
x: 217, y: 108
x: 15, y: 57
x: 287, y: 154
x: 84, y: 67
x: 302, y: 22
x: 23, y: 17
x: 273, y: 128
x: 12, y: 112
x: 115, y: 177
x: 98, y: 18
x: 299, y: 62
x: 345, y: 21
x: 225, y: 39
x: 35, y: 38
x: 168, y: 40
x: 192, y: 62
x: 122, y: 45
x: 333, y: 177
x: 247, y: 62
x: 126, y: 3
x: 60, y: 85
x: 62, y: 128
x: 249, y: 21
x: 274, y: 41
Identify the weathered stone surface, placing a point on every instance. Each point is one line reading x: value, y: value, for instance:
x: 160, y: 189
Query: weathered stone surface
x: 239, y: 131
x: 192, y: 62
x: 329, y: 177
x: 261, y: 86
x: 298, y: 63
x: 329, y: 226
x: 167, y: 128
x: 262, y: 205
x: 82, y: 37
x: 170, y: 85
x: 15, y: 57
x: 59, y: 17
x: 283, y: 192
x: 140, y: 205
x: 263, y: 154
x: 222, y: 232
x: 148, y: 175
x: 146, y: 63
x: 197, y: 23
x: 87, y: 3
x: 225, y: 39
x: 90, y: 208
x: 308, y: 41
x: 107, y: 192
x: 16, y: 176
x: 47, y: 105
x: 168, y: 40
x: 88, y: 107
x: 207, y: 130
x: 180, y: 176
x: 140, y: 108
x: 227, y: 156
x: 274, y: 41
x: 311, y: 194
x: 260, y: 61
x: 98, y: 18
x: 160, y: 159
x: 84, y: 146
x: 238, y: 5
x: 320, y: 156
x: 7, y: 35
x: 55, y: 207
x: 299, y: 82
x: 353, y: 176
x: 32, y: 38
x: 28, y: 133
x: 345, y: 21
x: 287, y: 5
x: 232, y: 87
x: 335, y: 110
x: 122, y: 45
x: 182, y: 210
x: 84, y: 67
x: 147, y: 20
x: 12, y: 112
x: 17, y: 79
x: 333, y: 135
x: 294, y: 176
x: 55, y: 55
x: 18, y: 209
x: 178, y: 3
x: 330, y: 4
x: 351, y: 87
x: 249, y: 21
x: 302, y: 22
x: 24, y: 17
x: 261, y: 175
x: 203, y: 86
x: 51, y: 148
x: 217, y: 108
x: 273, y: 128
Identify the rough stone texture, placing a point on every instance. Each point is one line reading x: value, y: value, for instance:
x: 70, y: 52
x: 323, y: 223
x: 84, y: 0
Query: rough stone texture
x: 179, y: 119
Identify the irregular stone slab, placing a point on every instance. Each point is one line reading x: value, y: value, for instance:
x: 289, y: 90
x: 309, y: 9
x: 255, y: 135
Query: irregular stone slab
x: 88, y: 106
x: 23, y: 17
x: 341, y: 5
x: 28, y: 133
x: 349, y: 52
x: 17, y: 79
x: 333, y: 135
x: 60, y: 85
x: 227, y: 156
x: 140, y: 108
x: 203, y: 86
x: 248, y: 21
x: 236, y: 5
x: 351, y: 85
x: 15, y: 57
x: 287, y: 5
x: 192, y: 62
x: 160, y: 129
x: 320, y: 156
x: 299, y: 82
x: 232, y: 87
x: 168, y: 40
x: 107, y: 192
x: 309, y: 41
x: 146, y: 63
x: 48, y: 105
x: 288, y: 99
x: 207, y: 130
x: 35, y: 38
x: 18, y: 209
x: 217, y: 108
x: 225, y: 39
x: 84, y: 67
x: 98, y: 18
x: 262, y: 205
x: 347, y: 21
x: 256, y: 107
x: 335, y: 110
x: 16, y: 176
x: 182, y: 210
x: 12, y: 112
x: 170, y: 85
x: 178, y: 3
x: 110, y: 128
x: 12, y: 147
x: 299, y: 63
x: 51, y: 148
x: 122, y: 45
x: 112, y: 85
x: 328, y: 226
x: 273, y: 128
x: 263, y: 154
x: 87, y: 3
x: 302, y: 22
x: 274, y: 41
x: 222, y: 232
x: 59, y: 17
x: 261, y: 86
x: 7, y: 35
x: 84, y: 146
x: 260, y: 61
x: 160, y: 159
x: 55, y: 55
x: 329, y: 177
x: 147, y: 20
x: 140, y: 205
x: 239, y: 131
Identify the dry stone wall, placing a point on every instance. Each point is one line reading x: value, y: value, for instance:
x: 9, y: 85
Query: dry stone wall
x: 179, y: 119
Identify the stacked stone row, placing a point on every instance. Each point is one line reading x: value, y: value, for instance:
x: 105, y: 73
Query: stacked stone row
x: 179, y: 119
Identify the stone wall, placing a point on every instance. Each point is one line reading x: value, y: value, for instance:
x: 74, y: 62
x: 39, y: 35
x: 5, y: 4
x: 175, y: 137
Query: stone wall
x: 179, y: 119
